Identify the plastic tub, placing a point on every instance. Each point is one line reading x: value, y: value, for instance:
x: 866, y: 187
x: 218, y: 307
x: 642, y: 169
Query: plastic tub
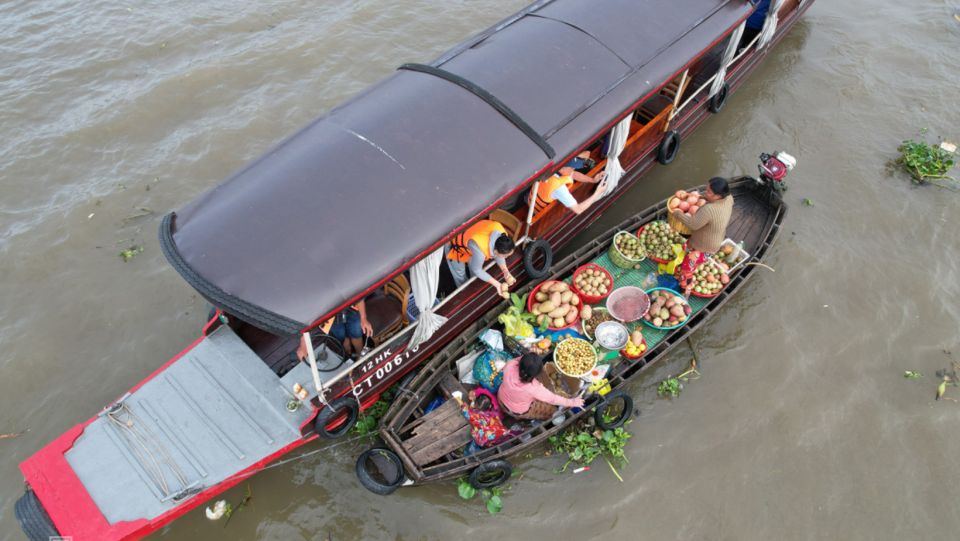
x: 678, y: 325
x: 591, y: 299
x: 531, y: 300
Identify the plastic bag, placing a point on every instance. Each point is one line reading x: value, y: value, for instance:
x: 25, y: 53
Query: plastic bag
x: 486, y: 426
x: 486, y: 369
x: 668, y: 268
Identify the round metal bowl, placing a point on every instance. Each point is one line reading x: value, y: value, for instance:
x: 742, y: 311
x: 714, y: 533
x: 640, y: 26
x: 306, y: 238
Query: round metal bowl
x: 612, y: 335
x: 628, y: 304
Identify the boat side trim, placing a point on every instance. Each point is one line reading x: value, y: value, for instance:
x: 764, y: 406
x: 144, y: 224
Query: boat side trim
x: 490, y: 99
x: 270, y: 321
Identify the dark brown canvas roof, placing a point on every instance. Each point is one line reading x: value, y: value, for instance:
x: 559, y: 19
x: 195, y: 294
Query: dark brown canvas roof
x: 365, y: 190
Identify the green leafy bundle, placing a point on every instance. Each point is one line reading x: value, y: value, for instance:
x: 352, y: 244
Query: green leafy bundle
x: 583, y: 446
x: 925, y: 162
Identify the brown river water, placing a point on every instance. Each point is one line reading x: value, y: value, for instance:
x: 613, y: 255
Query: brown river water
x: 802, y: 426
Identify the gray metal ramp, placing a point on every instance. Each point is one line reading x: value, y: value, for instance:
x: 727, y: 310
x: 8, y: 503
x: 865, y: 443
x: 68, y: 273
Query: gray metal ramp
x: 214, y: 412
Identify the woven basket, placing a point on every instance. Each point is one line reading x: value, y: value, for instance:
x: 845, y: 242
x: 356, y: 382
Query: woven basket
x: 617, y: 257
x: 676, y: 224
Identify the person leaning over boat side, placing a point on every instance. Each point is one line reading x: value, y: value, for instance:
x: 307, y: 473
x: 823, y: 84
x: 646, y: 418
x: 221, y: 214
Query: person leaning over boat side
x: 557, y: 188
x: 526, y: 398
x: 482, y: 241
x: 708, y: 228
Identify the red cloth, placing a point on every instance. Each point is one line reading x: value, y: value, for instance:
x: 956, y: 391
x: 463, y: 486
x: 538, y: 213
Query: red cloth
x: 684, y: 271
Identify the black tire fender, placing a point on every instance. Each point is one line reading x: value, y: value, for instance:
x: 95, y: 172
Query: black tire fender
x: 390, y: 482
x: 33, y: 518
x: 669, y: 147
x: 500, y: 470
x: 330, y: 413
x: 530, y: 254
x: 718, y: 100
x: 608, y: 400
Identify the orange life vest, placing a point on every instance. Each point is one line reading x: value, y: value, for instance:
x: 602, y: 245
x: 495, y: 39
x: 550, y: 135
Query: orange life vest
x: 545, y: 189
x: 480, y: 233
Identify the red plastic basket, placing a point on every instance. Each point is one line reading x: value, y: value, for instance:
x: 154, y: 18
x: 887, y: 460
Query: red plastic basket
x: 531, y: 300
x: 649, y: 255
x: 625, y: 355
x: 591, y: 299
x: 705, y: 296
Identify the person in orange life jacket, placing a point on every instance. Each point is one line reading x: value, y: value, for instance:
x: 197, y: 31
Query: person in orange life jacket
x: 482, y: 241
x: 556, y: 188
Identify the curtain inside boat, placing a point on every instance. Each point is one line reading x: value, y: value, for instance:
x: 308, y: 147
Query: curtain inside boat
x: 770, y: 24
x: 618, y: 140
x: 728, y: 55
x: 424, y: 280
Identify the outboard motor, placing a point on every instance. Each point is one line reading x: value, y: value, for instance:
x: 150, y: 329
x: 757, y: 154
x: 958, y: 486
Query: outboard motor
x: 774, y: 168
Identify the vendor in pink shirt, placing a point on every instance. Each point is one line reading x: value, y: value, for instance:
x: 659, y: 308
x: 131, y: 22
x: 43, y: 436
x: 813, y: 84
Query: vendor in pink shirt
x: 526, y: 398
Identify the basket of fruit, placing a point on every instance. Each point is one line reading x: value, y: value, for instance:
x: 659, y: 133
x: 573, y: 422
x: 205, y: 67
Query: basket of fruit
x: 592, y: 283
x: 635, y: 347
x: 657, y: 239
x: 554, y: 302
x: 709, y: 279
x: 732, y: 254
x: 688, y: 203
x: 668, y: 310
x: 591, y: 318
x: 626, y: 251
x: 575, y: 357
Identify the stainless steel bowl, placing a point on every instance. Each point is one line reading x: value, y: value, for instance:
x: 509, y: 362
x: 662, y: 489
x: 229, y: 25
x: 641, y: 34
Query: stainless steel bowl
x: 611, y: 335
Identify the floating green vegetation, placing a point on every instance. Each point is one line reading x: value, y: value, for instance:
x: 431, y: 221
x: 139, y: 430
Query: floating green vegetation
x: 369, y: 420
x: 131, y: 252
x: 928, y: 163
x: 670, y: 387
x: 492, y: 497
x: 584, y: 444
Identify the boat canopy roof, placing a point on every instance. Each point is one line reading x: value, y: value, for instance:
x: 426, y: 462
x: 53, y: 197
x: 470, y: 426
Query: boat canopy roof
x: 364, y: 191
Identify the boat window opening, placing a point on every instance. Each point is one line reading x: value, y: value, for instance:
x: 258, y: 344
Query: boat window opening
x: 589, y: 161
x: 650, y: 120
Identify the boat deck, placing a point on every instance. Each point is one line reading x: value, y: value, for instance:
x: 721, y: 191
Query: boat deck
x: 214, y: 412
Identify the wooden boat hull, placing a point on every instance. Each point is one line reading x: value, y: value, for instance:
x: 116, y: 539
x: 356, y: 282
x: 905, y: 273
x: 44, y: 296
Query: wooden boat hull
x: 757, y: 220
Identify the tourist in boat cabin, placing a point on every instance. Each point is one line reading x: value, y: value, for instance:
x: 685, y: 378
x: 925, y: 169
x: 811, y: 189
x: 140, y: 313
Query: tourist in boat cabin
x: 708, y: 228
x: 475, y: 246
x: 347, y: 327
x: 557, y: 188
x: 526, y: 398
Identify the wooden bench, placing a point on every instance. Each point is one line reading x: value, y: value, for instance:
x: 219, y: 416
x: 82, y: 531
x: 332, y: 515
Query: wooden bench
x: 441, y: 431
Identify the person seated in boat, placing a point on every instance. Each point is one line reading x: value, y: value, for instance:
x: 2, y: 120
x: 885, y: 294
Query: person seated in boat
x: 708, y: 228
x: 348, y: 327
x: 582, y: 162
x: 526, y: 398
x: 482, y: 241
x: 755, y: 22
x: 557, y: 188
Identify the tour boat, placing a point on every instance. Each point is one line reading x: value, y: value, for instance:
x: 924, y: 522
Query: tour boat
x: 359, y: 204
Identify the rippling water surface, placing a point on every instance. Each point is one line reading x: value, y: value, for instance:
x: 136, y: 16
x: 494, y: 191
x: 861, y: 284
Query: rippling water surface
x: 802, y: 426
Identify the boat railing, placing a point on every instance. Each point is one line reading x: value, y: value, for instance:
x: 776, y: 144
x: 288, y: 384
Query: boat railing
x: 372, y: 354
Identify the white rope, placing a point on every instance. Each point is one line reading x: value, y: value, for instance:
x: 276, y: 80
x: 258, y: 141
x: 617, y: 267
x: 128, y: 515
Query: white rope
x: 140, y: 436
x: 770, y: 23
x: 728, y: 55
